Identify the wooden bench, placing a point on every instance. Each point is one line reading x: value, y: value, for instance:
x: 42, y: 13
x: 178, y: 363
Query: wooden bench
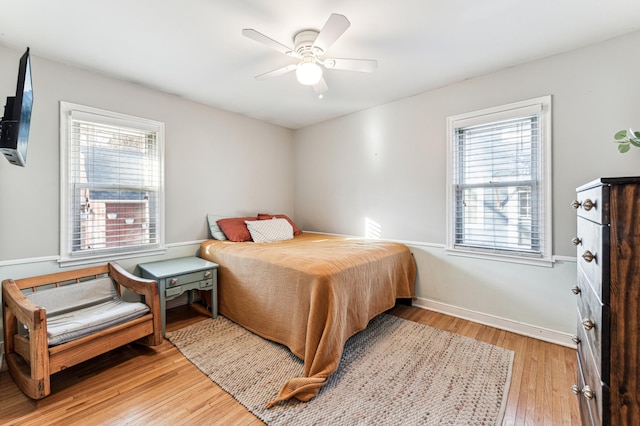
x: 30, y: 356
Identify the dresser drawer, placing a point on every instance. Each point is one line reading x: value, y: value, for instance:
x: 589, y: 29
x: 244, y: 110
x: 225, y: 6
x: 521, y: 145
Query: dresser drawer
x: 593, y: 256
x: 592, y: 410
x: 608, y: 277
x: 593, y: 204
x: 591, y: 345
x: 593, y: 323
x: 586, y: 414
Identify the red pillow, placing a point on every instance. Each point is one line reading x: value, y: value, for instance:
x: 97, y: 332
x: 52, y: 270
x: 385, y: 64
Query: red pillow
x: 265, y: 216
x: 235, y: 229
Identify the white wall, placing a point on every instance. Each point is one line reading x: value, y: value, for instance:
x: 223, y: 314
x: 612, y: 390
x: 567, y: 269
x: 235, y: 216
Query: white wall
x: 388, y: 164
x: 215, y: 161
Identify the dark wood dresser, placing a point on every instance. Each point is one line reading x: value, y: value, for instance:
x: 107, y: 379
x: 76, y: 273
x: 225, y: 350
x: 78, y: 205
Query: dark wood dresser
x: 608, y: 292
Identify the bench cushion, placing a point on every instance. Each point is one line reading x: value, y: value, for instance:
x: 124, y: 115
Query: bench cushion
x: 77, y: 310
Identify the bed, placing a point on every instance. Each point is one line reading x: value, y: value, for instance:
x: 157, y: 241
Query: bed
x: 310, y: 293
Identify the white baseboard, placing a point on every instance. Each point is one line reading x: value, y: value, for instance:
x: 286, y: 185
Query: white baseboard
x: 540, y: 333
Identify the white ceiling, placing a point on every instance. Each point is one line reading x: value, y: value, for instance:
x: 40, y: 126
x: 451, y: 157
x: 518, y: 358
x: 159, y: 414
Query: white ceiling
x: 195, y: 49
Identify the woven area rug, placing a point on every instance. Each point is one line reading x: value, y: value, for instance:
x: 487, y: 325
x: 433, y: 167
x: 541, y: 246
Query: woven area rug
x: 394, y: 372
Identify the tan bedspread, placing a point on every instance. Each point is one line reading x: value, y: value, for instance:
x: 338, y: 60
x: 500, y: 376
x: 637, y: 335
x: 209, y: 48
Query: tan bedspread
x: 310, y: 293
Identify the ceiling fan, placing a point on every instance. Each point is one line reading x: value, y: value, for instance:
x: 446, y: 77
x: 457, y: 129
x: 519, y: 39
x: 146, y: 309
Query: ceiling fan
x: 309, y: 48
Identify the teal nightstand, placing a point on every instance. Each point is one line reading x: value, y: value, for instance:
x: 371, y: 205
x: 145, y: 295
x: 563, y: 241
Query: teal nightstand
x: 175, y: 276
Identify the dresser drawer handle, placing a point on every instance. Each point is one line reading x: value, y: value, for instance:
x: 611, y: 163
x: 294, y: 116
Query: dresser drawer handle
x: 575, y: 339
x: 586, y: 391
x: 207, y: 274
x: 587, y: 205
x: 588, y: 324
x: 576, y: 241
x: 173, y: 281
x: 575, y: 289
x: 588, y: 256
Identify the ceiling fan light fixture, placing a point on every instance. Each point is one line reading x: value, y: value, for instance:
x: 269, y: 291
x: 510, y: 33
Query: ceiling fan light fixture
x: 308, y: 73
x: 309, y: 47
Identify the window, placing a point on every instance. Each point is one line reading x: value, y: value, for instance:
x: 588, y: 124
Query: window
x: 499, y: 182
x: 111, y: 185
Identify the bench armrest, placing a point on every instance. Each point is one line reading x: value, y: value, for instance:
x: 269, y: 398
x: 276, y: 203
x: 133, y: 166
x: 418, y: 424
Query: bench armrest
x: 22, y: 308
x: 144, y: 287
x: 124, y: 278
x: 16, y: 307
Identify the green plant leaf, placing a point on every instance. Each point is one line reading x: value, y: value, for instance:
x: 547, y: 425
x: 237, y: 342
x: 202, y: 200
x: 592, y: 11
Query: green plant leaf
x: 635, y: 142
x: 636, y: 134
x: 620, y: 135
x: 624, y: 147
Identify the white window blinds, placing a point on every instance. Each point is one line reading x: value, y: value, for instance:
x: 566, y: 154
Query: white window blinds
x: 498, y: 183
x: 114, y: 185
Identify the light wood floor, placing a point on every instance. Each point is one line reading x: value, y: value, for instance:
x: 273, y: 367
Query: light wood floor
x: 135, y: 385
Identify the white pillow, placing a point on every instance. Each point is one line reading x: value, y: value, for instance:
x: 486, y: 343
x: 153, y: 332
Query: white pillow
x: 214, y: 229
x: 264, y: 231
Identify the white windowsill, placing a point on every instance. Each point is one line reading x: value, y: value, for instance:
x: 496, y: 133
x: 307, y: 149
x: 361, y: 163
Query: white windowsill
x: 545, y: 262
x: 108, y: 257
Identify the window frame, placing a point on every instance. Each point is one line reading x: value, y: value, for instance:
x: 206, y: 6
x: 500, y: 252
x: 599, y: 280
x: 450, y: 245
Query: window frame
x: 101, y: 116
x: 489, y: 115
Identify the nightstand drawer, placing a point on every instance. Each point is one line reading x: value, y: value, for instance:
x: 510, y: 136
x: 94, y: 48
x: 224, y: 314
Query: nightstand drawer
x: 173, y: 291
x: 206, y: 284
x: 195, y: 285
x: 189, y: 278
x: 183, y: 275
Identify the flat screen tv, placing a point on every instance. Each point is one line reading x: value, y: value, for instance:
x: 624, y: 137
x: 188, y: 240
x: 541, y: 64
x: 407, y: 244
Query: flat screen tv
x: 14, y: 127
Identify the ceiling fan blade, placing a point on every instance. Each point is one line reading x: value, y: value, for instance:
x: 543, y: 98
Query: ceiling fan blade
x: 320, y: 87
x: 277, y: 72
x: 263, y: 39
x: 362, y: 65
x: 335, y: 26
